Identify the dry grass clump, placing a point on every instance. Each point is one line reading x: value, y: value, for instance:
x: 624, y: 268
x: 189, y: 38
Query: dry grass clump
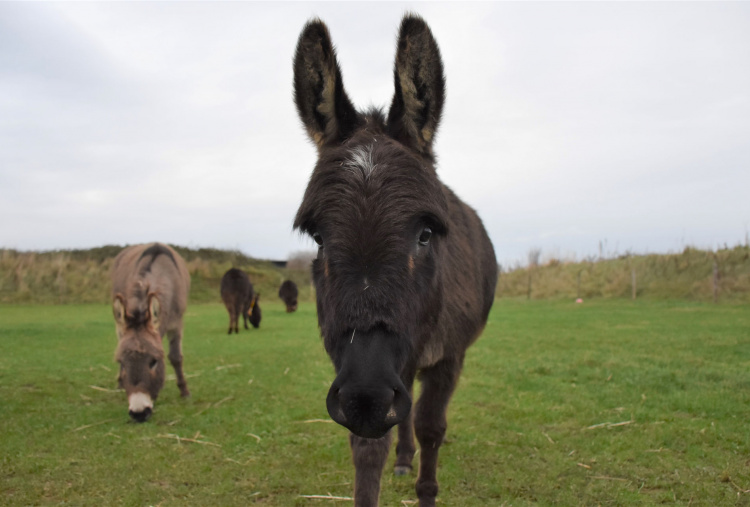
x: 83, y: 276
x: 687, y: 275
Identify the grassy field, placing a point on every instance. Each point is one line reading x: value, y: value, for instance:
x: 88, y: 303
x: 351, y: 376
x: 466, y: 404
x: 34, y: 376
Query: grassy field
x: 604, y: 403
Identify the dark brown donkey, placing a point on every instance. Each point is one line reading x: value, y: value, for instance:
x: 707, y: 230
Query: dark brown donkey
x: 150, y: 285
x: 240, y: 298
x: 405, y: 273
x: 288, y: 293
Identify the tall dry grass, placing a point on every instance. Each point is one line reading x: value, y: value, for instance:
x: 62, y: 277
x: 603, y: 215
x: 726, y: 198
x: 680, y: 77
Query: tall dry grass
x: 83, y: 276
x: 688, y: 275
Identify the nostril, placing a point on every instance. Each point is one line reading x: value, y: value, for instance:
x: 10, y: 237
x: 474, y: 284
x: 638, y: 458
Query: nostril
x: 342, y: 416
x: 333, y: 404
x: 391, y: 413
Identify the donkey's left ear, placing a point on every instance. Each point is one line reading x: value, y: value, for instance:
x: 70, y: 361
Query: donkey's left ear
x: 322, y: 103
x: 420, y: 87
x: 154, y: 310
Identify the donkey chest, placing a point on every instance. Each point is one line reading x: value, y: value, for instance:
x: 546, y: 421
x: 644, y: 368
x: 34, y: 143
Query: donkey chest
x: 432, y: 352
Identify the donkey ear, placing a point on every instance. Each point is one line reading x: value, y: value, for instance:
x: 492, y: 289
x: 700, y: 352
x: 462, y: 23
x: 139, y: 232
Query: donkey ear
x: 118, y: 310
x: 154, y: 310
x: 420, y: 87
x: 322, y: 103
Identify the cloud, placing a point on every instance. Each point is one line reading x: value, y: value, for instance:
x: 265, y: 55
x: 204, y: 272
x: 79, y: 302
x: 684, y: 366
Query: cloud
x: 565, y: 123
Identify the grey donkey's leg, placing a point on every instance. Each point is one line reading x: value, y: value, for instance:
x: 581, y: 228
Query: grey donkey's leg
x: 430, y: 424
x: 175, y: 357
x: 369, y: 455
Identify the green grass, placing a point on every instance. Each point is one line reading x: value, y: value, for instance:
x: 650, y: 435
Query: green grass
x: 675, y: 376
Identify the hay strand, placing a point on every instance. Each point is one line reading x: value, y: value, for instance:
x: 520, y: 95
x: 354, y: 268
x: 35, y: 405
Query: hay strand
x: 607, y: 478
x: 183, y: 439
x: 222, y: 401
x: 228, y: 366
x: 609, y: 425
x: 92, y: 425
x: 327, y: 497
x: 105, y: 390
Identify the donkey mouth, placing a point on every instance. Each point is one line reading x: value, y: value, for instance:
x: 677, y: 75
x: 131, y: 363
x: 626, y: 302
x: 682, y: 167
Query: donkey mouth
x: 140, y: 416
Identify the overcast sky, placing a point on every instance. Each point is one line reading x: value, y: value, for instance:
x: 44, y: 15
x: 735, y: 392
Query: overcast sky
x: 565, y: 124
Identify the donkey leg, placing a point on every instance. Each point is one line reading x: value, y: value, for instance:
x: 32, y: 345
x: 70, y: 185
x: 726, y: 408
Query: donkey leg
x: 237, y: 313
x: 405, y: 447
x: 430, y: 424
x: 369, y: 456
x: 175, y: 357
x: 231, y: 321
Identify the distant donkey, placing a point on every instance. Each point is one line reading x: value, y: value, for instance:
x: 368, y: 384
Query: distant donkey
x: 288, y: 293
x: 150, y: 285
x: 240, y: 299
x: 405, y: 272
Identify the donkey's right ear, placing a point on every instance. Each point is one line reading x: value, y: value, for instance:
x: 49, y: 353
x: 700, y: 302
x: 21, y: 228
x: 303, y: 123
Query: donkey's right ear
x: 322, y: 103
x: 118, y: 310
x: 420, y: 87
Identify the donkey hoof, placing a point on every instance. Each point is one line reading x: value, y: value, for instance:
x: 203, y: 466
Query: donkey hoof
x: 401, y: 470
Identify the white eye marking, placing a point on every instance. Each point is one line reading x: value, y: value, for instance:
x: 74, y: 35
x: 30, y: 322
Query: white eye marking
x: 138, y: 402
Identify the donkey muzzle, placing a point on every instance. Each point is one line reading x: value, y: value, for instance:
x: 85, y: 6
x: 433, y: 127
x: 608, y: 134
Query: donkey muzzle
x: 368, y: 412
x: 368, y: 396
x: 140, y: 406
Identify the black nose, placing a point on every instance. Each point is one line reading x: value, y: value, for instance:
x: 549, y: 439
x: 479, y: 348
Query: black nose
x: 367, y: 411
x: 140, y: 416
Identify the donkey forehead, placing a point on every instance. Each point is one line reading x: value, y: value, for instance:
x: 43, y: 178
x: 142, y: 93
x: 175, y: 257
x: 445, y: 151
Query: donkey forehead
x: 138, y: 345
x: 378, y: 175
x: 361, y: 161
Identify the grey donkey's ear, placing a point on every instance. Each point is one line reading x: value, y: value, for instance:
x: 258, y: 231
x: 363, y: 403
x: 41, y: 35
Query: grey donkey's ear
x: 420, y: 87
x: 322, y: 103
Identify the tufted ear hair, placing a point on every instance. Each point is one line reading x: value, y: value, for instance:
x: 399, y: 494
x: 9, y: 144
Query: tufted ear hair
x: 420, y: 87
x: 118, y: 310
x: 323, y: 106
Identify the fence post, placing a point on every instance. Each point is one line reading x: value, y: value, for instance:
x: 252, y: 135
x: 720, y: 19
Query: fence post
x: 528, y: 291
x: 534, y: 255
x: 716, y: 280
x: 633, y: 282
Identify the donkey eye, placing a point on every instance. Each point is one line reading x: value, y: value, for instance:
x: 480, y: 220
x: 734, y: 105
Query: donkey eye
x: 153, y: 364
x: 317, y: 238
x: 425, y: 236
